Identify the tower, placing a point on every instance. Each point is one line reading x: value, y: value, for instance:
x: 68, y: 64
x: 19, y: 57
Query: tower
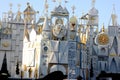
x: 103, y: 50
x: 45, y: 43
x: 59, y: 24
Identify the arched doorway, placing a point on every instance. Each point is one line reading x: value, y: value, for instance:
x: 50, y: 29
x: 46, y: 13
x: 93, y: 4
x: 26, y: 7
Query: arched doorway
x: 58, y: 68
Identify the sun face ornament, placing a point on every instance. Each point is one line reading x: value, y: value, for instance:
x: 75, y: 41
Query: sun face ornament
x: 103, y: 39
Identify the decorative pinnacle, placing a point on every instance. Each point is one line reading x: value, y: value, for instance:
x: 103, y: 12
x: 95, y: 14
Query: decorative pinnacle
x: 28, y: 4
x: 54, y: 0
x: 10, y: 6
x: 19, y: 7
x: 66, y: 1
x: 113, y: 8
x: 46, y: 6
x: 73, y: 8
x: 59, y: 1
x: 93, y: 3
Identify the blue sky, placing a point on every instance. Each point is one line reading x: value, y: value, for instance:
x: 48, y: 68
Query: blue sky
x: 104, y: 7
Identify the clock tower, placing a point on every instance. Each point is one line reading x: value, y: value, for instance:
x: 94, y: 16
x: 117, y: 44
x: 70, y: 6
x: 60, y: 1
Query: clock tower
x: 59, y: 22
x: 102, y: 41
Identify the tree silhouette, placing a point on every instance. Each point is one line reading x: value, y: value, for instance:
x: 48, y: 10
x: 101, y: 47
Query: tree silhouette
x: 17, y: 68
x: 91, y: 70
x: 4, y: 72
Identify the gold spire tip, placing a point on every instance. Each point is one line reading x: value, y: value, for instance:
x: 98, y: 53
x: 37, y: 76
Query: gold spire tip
x: 103, y: 28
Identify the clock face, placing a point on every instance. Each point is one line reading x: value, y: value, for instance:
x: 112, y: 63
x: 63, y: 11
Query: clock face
x: 103, y: 39
x: 59, y: 31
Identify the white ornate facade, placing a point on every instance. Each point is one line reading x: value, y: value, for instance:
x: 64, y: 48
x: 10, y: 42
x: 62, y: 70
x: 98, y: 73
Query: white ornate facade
x: 58, y: 42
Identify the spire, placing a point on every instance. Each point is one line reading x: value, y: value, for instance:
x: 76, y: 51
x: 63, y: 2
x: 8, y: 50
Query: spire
x: 46, y: 25
x: 19, y: 7
x: 114, y: 16
x: 18, y: 16
x: 93, y: 3
x: 46, y: 7
x: 4, y: 70
x: 113, y: 12
x: 73, y: 9
x: 10, y: 11
x: 19, y: 13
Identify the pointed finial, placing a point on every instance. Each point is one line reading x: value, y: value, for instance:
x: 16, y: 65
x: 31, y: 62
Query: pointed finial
x: 66, y: 1
x: 59, y: 1
x: 19, y: 7
x: 10, y: 7
x: 103, y: 28
x: 113, y: 9
x: 46, y: 6
x: 54, y: 0
x: 28, y: 4
x: 73, y: 9
x: 93, y: 3
x: 114, y: 16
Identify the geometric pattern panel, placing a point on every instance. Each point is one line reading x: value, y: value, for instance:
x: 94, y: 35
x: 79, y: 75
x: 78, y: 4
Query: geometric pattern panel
x: 72, y: 45
x: 72, y: 60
